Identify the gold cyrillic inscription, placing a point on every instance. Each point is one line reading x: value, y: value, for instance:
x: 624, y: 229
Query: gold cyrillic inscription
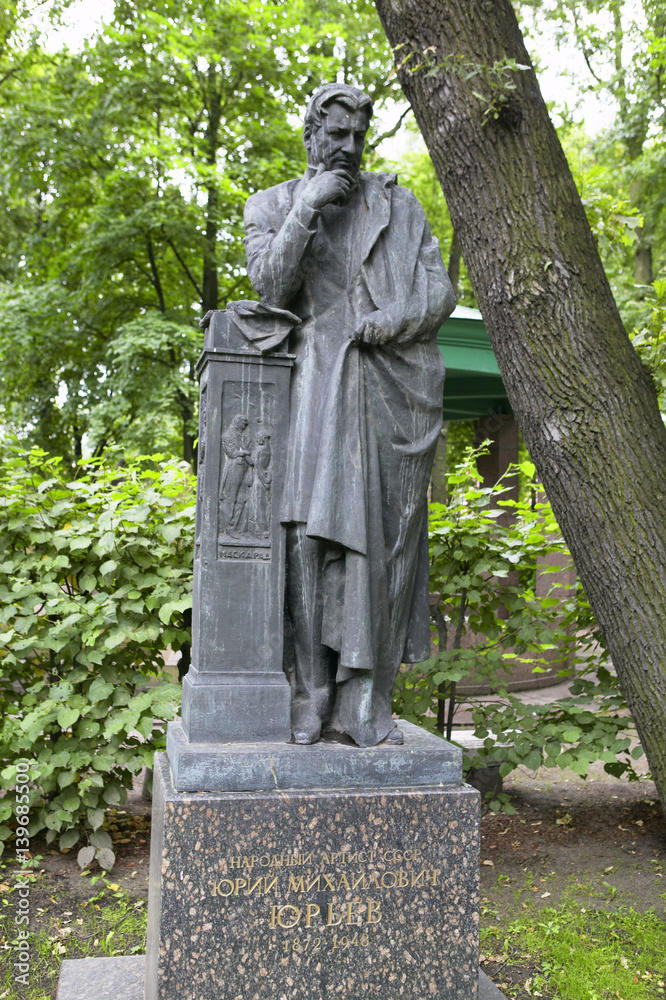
x: 385, y: 873
x: 340, y: 859
x: 244, y: 886
x: 401, y: 879
x: 268, y: 860
x: 288, y: 915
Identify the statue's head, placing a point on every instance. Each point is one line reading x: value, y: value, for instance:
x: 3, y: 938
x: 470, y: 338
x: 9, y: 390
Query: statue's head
x: 334, y: 128
x: 239, y: 422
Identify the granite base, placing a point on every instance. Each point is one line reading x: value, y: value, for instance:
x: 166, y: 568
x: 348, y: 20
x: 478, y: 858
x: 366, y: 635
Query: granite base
x: 288, y: 895
x: 123, y: 979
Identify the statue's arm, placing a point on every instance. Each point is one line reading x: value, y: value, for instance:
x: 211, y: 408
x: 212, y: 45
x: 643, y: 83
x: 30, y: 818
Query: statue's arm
x: 427, y: 297
x: 276, y: 249
x: 441, y: 296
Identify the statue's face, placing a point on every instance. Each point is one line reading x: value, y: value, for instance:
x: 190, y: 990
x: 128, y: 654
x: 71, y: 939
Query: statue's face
x: 338, y: 142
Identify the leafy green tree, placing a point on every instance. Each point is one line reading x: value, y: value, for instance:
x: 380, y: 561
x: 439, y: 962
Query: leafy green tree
x: 416, y: 171
x: 126, y: 168
x: 623, y: 49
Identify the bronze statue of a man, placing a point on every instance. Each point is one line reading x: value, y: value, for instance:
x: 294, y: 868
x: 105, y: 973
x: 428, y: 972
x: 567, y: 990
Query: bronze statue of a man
x: 350, y: 253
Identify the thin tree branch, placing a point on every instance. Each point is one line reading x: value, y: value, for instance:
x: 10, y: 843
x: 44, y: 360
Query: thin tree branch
x: 185, y: 268
x: 391, y: 132
x: 233, y: 288
x: 456, y: 645
x: 10, y: 72
x: 157, y: 284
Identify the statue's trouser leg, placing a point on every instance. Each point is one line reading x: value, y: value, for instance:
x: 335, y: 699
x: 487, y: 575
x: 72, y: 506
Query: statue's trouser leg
x: 313, y: 669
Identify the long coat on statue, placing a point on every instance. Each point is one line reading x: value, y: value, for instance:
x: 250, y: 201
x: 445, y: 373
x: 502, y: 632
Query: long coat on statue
x: 364, y: 420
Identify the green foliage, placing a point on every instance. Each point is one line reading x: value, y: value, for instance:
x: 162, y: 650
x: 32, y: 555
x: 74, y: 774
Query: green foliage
x: 484, y: 620
x: 109, y: 922
x: 623, y: 61
x: 124, y: 170
x: 650, y: 340
x: 582, y: 954
x: 496, y: 81
x: 95, y: 581
x: 487, y: 619
x: 417, y: 172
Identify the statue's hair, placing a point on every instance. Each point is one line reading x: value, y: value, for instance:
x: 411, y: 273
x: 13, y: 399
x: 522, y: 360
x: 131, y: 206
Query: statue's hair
x: 338, y: 93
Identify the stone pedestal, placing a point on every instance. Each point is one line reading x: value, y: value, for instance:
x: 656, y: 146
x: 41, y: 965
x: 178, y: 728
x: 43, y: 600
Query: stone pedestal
x: 236, y: 688
x: 284, y: 895
x: 243, y: 767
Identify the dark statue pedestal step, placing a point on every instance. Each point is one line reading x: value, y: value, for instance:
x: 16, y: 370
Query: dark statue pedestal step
x: 123, y: 979
x: 221, y: 767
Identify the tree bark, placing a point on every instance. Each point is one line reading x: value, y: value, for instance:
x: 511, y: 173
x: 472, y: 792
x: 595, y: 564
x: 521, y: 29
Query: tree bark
x: 586, y: 406
x: 453, y: 267
x: 643, y: 262
x: 439, y: 489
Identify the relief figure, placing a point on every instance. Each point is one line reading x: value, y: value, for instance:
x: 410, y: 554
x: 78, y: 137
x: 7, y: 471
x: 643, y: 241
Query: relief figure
x: 237, y: 478
x: 263, y: 482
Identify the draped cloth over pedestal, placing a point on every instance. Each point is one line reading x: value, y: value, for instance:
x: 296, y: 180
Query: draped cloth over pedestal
x: 364, y: 420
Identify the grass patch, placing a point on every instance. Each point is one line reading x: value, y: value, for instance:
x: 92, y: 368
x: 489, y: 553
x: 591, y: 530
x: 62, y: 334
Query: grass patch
x: 572, y: 953
x: 106, y: 924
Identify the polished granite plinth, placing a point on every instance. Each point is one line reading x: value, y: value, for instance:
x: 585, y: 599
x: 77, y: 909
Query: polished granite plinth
x: 295, y: 894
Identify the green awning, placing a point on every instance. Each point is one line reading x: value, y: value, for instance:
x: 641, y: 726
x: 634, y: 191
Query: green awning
x: 473, y: 386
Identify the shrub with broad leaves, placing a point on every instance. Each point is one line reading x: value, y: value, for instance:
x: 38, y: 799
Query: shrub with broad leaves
x: 95, y: 582
x: 486, y: 618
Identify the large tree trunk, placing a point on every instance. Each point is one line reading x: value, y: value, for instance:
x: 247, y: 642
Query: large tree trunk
x: 586, y: 406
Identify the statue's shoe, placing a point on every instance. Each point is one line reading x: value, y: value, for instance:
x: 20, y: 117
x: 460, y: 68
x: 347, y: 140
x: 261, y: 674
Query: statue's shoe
x: 394, y: 738
x: 306, y: 728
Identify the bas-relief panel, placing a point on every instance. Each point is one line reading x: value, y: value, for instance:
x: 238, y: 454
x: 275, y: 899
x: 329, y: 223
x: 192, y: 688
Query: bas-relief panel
x: 246, y: 471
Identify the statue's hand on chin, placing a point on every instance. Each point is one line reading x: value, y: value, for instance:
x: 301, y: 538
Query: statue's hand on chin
x: 326, y: 187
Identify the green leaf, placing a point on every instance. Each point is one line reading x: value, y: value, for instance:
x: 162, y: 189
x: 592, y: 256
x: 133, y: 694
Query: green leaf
x: 580, y: 766
x: 533, y: 760
x: 85, y: 857
x: 102, y: 762
x: 105, y: 858
x: 571, y: 734
x: 101, y: 839
x: 99, y: 690
x: 68, y: 839
x: 67, y: 717
x: 82, y: 542
x: 167, y: 610
x: 112, y: 795
x: 117, y: 636
x: 95, y: 818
